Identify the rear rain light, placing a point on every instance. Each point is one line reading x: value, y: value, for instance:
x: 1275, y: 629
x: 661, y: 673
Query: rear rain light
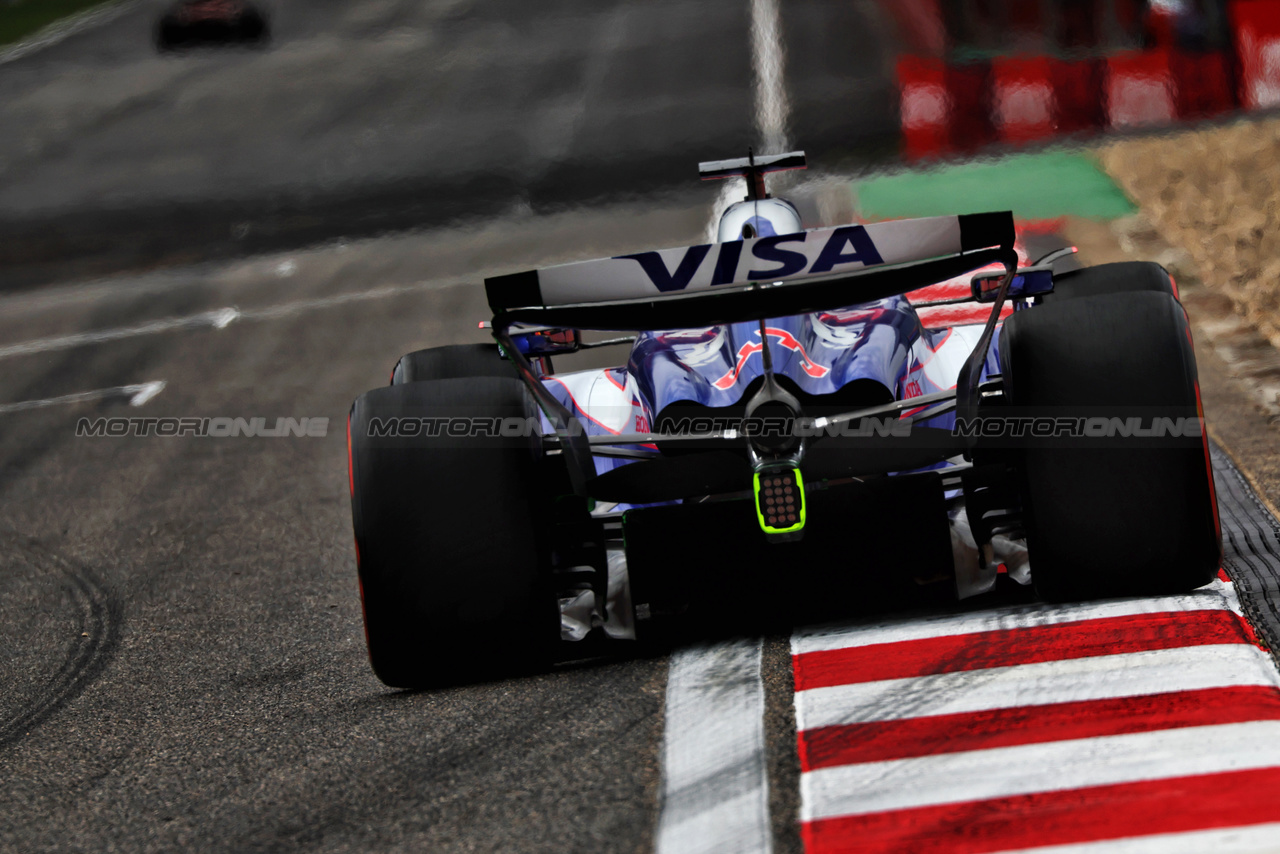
x: 780, y: 503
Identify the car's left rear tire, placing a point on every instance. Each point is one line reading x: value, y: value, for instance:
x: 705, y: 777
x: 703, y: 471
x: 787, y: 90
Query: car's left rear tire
x: 450, y: 542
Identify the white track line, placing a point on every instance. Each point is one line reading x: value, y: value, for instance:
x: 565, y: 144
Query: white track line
x: 217, y: 319
x: 1191, y: 668
x: 137, y: 394
x: 768, y: 59
x: 772, y: 105
x: 67, y: 27
x: 715, y: 783
x: 1001, y: 772
x: 210, y: 319
x: 715, y: 780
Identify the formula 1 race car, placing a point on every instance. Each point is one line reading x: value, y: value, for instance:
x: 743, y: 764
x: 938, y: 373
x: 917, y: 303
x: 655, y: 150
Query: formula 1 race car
x: 210, y: 22
x: 783, y: 413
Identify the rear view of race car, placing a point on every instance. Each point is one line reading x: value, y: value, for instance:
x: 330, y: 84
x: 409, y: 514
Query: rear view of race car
x: 190, y: 22
x: 782, y: 410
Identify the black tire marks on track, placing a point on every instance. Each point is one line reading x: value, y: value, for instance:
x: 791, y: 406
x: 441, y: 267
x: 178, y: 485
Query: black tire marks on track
x: 98, y: 617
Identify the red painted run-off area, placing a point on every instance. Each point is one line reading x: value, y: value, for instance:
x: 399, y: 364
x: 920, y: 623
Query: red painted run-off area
x: 953, y: 106
x: 1150, y: 805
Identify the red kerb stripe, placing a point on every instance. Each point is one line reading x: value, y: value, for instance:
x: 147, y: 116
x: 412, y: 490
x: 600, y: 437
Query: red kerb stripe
x: 1003, y: 648
x: 1173, y: 805
x: 880, y: 741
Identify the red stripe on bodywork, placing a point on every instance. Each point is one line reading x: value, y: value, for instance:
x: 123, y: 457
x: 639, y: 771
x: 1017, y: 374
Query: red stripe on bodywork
x: 351, y: 469
x: 962, y: 315
x: 880, y: 741
x: 608, y: 374
x: 579, y: 407
x: 1208, y: 465
x: 1009, y: 647
x: 943, y: 290
x: 1172, y: 805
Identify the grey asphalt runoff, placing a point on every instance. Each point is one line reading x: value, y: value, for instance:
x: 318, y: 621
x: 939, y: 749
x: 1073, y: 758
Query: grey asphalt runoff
x: 360, y: 118
x: 180, y: 630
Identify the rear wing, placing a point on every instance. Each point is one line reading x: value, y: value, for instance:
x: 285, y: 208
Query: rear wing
x: 776, y: 276
x: 750, y: 279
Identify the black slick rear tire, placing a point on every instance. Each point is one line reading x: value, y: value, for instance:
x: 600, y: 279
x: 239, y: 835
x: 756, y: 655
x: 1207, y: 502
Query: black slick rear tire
x: 448, y: 536
x: 1122, y: 277
x: 1122, y: 515
x: 455, y: 361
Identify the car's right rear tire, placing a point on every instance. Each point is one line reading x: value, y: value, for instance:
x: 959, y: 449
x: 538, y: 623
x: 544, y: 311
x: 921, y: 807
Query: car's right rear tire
x: 1122, y: 515
x: 449, y: 541
x: 1117, y: 278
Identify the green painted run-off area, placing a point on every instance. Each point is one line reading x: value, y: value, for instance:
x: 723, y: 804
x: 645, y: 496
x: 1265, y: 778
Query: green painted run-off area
x: 27, y: 17
x: 1034, y: 186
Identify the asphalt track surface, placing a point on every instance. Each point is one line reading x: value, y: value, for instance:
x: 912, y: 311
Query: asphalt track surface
x: 184, y: 656
x: 383, y: 114
x: 180, y: 637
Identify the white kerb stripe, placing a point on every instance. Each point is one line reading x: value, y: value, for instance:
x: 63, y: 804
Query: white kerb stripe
x: 1253, y: 839
x: 1132, y: 674
x: 1214, y: 596
x: 715, y: 788
x: 980, y: 775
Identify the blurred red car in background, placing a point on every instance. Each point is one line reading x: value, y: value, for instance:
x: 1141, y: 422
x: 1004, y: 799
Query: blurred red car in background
x: 210, y: 22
